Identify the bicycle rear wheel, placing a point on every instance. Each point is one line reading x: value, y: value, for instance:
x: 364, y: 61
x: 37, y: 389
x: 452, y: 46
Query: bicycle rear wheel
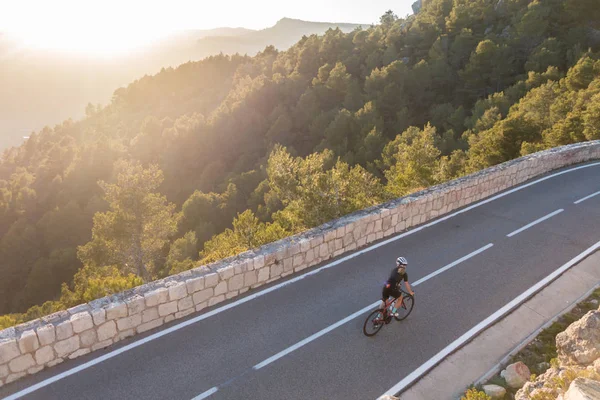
x: 373, y: 323
x: 406, y: 307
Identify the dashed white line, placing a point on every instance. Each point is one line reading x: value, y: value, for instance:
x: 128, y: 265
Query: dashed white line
x: 432, y: 362
x: 586, y: 197
x: 206, y: 394
x: 537, y: 221
x: 360, y: 312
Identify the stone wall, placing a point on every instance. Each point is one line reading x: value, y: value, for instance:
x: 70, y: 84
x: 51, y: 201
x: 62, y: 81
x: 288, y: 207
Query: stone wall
x: 28, y: 348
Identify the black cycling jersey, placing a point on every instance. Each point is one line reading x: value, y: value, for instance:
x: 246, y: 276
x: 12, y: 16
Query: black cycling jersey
x: 396, y: 278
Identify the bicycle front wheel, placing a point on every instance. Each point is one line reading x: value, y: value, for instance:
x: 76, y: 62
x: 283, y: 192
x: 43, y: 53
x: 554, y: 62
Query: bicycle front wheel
x: 405, y: 309
x: 373, y: 323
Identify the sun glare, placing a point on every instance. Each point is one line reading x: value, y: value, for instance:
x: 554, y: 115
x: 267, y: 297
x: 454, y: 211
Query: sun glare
x: 93, y: 42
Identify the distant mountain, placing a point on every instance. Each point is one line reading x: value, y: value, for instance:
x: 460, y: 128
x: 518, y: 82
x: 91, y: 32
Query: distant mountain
x: 44, y: 88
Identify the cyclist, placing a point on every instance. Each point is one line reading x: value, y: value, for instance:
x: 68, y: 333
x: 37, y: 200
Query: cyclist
x: 392, y: 286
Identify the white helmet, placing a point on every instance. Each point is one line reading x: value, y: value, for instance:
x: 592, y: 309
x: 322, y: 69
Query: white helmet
x: 401, y: 261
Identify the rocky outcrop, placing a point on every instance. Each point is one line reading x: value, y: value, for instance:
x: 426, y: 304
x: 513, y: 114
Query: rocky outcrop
x: 578, y: 366
x: 30, y: 347
x: 494, y: 391
x: 580, y: 343
x: 516, y: 375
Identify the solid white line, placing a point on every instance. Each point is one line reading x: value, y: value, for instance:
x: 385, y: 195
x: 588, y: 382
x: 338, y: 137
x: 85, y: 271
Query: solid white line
x: 485, y: 323
x: 447, y: 267
x: 360, y: 312
x: 537, y: 221
x: 587, y: 197
x: 314, y: 337
x: 273, y: 288
x: 206, y: 394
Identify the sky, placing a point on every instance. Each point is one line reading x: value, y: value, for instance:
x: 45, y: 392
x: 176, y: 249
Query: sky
x: 112, y: 26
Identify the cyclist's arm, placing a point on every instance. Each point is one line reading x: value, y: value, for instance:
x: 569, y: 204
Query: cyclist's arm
x: 409, y: 289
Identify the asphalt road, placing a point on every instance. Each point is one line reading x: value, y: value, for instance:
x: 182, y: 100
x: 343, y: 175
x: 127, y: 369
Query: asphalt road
x: 214, y: 358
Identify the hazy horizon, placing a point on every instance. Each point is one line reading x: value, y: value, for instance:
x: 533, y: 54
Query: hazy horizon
x: 113, y: 27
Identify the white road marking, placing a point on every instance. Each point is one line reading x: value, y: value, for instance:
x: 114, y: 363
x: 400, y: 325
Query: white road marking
x: 206, y: 394
x: 191, y: 321
x: 537, y: 221
x: 360, y: 312
x: 586, y: 197
x: 432, y: 362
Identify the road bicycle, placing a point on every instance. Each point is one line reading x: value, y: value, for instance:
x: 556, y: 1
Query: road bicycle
x: 379, y: 317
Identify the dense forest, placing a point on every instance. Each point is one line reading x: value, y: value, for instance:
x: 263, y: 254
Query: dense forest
x: 219, y: 156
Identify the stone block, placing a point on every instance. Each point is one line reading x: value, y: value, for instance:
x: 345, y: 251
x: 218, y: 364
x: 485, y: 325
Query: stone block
x: 150, y: 325
x: 127, y: 323
x: 195, y: 284
x: 221, y: 288
x: 184, y: 313
x: 116, y: 311
x: 216, y: 300
x: 28, y: 342
x: 21, y: 363
x: 202, y: 296
x: 107, y: 331
x: 79, y: 353
x: 136, y: 305
x: 263, y: 274
x: 44, y: 355
x: 156, y: 297
x: 226, y: 272
x: 167, y: 308
x: 82, y: 322
x: 67, y: 346
x: 103, y: 344
x: 177, y: 291
x: 64, y: 330
x: 98, y: 316
x: 235, y: 283
x: 211, y: 280
x: 149, y: 314
x: 249, y: 278
x: 88, y: 338
x: 185, y: 304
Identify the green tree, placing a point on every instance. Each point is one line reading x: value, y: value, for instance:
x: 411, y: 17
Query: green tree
x: 139, y: 224
x: 413, y: 162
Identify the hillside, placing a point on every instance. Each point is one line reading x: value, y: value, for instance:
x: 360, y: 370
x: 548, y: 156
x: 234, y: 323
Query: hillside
x: 32, y: 81
x: 236, y: 151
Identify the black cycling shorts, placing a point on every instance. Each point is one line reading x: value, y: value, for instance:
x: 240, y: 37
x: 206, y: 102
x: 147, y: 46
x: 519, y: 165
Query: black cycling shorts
x: 388, y: 292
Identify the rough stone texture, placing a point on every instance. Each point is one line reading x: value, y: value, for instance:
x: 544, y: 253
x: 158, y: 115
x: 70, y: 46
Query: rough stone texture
x: 115, y: 311
x: 150, y: 314
x: 34, y: 370
x: 177, y: 291
x: 579, y: 344
x: 44, y: 355
x: 202, y: 296
x: 4, y: 372
x: 195, y: 285
x: 124, y: 324
x: 516, y: 375
x: 79, y: 353
x: 136, y: 305
x: 164, y: 300
x: 99, y: 317
x: 221, y: 288
x: 168, y: 308
x: 8, y: 351
x: 156, y: 297
x: 28, y: 343
x: 149, y: 325
x: 82, y: 322
x: 185, y: 303
x: 102, y: 345
x: 107, y: 331
x: 88, y: 338
x: 14, y: 377
x: 64, y: 330
x: 494, y: 391
x: 21, y: 363
x: 67, y: 346
x: 46, y: 334
x: 583, y: 389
